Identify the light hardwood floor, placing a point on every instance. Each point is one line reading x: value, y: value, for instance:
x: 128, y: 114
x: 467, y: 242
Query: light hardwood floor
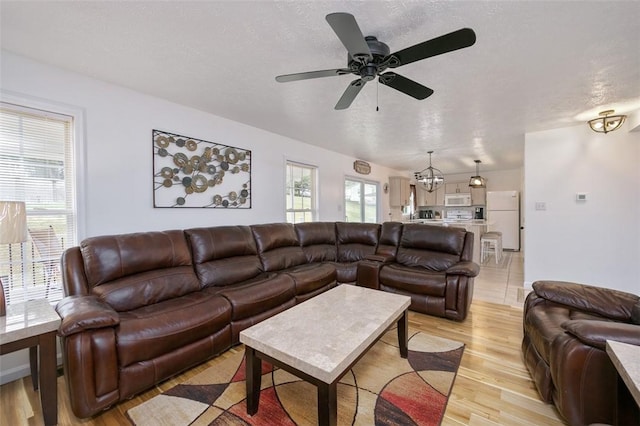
x: 493, y: 387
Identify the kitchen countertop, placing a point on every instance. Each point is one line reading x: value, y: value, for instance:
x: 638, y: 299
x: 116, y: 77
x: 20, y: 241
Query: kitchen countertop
x: 477, y: 222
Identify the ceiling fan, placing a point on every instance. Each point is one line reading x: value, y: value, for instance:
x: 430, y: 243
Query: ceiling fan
x: 368, y: 58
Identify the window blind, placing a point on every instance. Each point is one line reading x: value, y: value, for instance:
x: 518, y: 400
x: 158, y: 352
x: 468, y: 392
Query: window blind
x: 37, y: 167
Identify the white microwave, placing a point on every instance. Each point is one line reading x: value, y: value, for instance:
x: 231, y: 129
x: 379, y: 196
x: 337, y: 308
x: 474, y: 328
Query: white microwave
x: 457, y: 200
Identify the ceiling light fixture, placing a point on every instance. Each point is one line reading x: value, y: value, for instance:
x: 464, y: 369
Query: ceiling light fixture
x: 430, y: 178
x: 477, y: 181
x: 607, y: 122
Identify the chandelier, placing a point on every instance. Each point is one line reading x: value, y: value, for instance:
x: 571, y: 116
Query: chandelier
x: 477, y: 181
x: 430, y: 178
x: 607, y: 122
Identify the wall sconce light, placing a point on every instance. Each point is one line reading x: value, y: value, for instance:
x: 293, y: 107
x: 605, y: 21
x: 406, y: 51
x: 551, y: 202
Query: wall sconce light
x: 477, y: 181
x: 430, y: 178
x: 607, y: 122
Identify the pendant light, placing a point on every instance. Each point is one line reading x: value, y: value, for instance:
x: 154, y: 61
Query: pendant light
x: 430, y: 178
x: 477, y: 181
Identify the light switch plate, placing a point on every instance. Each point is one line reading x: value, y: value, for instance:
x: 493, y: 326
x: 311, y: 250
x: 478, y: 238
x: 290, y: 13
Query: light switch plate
x: 541, y: 205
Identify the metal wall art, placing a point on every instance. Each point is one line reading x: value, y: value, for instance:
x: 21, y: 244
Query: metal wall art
x: 189, y: 172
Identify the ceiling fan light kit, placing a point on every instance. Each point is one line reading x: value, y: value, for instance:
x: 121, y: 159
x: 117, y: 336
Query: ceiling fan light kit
x: 430, y: 178
x: 477, y: 181
x: 606, y: 122
x: 368, y: 58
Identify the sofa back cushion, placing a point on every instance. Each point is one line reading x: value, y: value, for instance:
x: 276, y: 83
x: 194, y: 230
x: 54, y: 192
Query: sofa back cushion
x: 432, y: 247
x: 278, y: 246
x: 318, y: 240
x: 133, y: 270
x: 224, y: 255
x: 390, y: 234
x: 356, y: 240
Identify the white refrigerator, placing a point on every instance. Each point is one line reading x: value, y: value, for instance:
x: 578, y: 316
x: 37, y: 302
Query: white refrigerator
x: 503, y: 214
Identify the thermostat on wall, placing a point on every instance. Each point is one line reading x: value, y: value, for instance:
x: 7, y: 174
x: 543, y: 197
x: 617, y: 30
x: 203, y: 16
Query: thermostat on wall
x: 581, y: 196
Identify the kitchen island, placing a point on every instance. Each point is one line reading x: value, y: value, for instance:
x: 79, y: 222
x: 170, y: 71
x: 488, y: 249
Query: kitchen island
x: 477, y: 226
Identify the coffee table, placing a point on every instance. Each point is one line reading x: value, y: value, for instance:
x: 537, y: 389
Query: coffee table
x: 320, y: 340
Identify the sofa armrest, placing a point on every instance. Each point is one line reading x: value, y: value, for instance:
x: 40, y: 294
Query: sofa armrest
x: 469, y: 269
x: 80, y: 313
x: 382, y: 258
x: 596, y: 333
x: 606, y: 302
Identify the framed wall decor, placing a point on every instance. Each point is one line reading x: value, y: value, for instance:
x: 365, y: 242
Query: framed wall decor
x: 190, y: 172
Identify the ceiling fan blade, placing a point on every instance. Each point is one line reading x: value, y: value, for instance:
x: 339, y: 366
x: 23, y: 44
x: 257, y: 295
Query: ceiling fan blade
x: 405, y: 85
x: 350, y: 94
x: 348, y: 31
x: 311, y: 74
x: 437, y: 46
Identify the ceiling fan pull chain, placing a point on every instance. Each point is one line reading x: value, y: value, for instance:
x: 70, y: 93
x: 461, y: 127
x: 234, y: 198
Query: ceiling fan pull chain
x: 377, y: 91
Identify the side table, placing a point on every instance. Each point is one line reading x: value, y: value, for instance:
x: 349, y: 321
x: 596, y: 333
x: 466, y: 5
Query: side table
x: 626, y: 359
x: 34, y: 325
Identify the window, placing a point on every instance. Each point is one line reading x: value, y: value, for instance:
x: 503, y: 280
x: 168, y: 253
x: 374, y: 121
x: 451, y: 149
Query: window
x: 37, y: 167
x: 360, y: 200
x: 301, y: 193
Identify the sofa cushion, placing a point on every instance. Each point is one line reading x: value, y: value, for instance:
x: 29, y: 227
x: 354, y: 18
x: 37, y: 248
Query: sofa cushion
x: 390, y: 233
x: 318, y: 240
x: 356, y: 240
x: 414, y: 280
x: 160, y: 328
x: 309, y: 278
x: 278, y: 246
x: 259, y: 295
x: 133, y: 270
x: 431, y: 247
x: 224, y: 255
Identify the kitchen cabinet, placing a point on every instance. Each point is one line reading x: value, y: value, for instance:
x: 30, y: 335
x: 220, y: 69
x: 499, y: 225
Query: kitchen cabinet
x: 399, y: 191
x: 478, y: 196
x: 435, y: 198
x: 456, y: 188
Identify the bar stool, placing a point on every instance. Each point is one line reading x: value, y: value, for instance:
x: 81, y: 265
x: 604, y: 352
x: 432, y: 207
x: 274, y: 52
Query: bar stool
x: 491, y: 242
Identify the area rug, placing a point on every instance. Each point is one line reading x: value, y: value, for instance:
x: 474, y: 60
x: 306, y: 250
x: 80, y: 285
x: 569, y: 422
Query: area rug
x: 381, y: 389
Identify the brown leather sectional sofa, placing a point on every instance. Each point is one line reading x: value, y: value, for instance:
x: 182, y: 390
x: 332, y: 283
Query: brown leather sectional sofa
x: 566, y: 326
x: 141, y: 307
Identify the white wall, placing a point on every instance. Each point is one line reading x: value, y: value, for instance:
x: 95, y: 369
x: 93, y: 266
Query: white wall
x: 118, y: 154
x: 597, y: 241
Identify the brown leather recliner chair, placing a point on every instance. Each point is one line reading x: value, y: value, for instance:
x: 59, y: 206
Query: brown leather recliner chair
x: 566, y: 326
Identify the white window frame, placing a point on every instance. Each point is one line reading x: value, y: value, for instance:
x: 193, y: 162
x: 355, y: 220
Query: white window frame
x: 362, y: 201
x: 78, y: 158
x: 313, y: 187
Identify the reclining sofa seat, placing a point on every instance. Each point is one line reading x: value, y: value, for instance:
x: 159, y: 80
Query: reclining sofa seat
x: 227, y: 264
x: 566, y: 326
x: 433, y: 265
x: 134, y: 317
x: 355, y: 241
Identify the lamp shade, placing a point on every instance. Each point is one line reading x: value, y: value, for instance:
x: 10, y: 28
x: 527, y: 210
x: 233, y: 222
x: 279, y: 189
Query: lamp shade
x: 13, y: 222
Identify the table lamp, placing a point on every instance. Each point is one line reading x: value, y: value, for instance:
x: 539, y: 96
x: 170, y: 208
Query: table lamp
x: 13, y: 229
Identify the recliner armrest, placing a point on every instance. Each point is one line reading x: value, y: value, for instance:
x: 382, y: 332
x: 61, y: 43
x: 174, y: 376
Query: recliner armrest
x: 606, y: 302
x: 469, y: 269
x: 596, y: 333
x: 383, y: 258
x: 80, y: 313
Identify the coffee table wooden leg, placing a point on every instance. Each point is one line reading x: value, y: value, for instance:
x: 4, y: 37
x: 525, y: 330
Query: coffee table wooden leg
x: 403, y: 326
x: 328, y: 404
x: 48, y: 377
x: 254, y: 378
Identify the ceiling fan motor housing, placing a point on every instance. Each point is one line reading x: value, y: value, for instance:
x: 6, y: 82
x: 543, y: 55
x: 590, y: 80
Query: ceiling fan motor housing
x: 368, y: 69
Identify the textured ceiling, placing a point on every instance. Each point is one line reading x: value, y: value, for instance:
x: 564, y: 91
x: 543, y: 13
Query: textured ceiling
x: 535, y: 66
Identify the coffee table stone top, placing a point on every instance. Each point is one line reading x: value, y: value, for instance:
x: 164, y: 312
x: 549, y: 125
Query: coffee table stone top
x: 325, y: 334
